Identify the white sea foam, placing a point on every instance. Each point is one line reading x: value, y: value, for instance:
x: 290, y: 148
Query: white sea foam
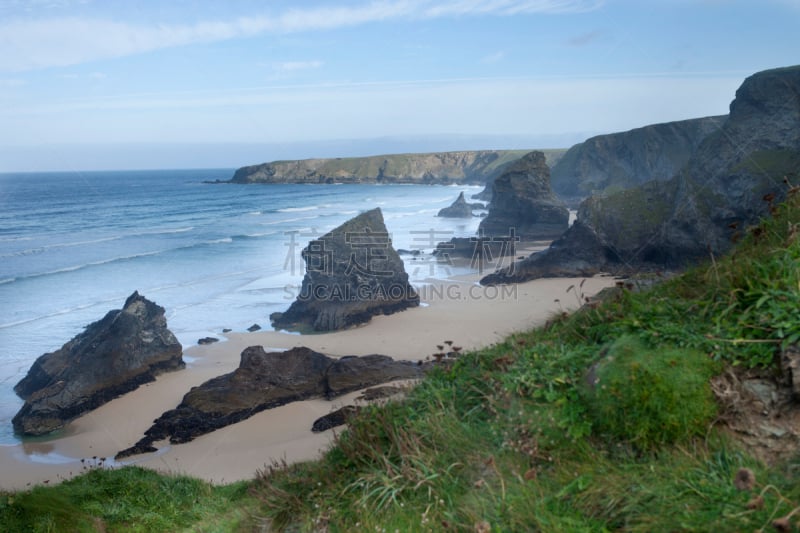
x: 224, y: 240
x: 164, y: 231
x: 287, y: 220
x: 298, y: 209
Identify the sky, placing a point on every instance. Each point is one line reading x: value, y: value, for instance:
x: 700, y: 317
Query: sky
x: 116, y: 84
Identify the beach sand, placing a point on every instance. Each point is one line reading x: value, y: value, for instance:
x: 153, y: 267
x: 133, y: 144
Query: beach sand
x: 454, y: 309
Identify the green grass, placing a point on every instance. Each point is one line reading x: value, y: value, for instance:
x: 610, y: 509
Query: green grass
x: 651, y: 397
x: 515, y: 437
x: 128, y: 499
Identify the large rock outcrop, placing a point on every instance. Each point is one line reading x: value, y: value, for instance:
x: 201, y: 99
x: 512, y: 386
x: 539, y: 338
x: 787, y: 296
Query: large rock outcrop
x: 264, y: 381
x: 352, y: 274
x: 609, y: 163
x: 471, y: 167
x: 114, y: 355
x: 523, y: 200
x: 727, y: 185
x: 551, y: 156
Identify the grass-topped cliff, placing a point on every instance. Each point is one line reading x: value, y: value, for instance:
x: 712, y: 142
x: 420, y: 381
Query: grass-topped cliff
x: 470, y: 167
x: 631, y: 414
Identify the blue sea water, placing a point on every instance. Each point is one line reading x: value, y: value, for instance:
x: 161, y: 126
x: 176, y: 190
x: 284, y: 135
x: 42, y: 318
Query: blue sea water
x: 75, y: 245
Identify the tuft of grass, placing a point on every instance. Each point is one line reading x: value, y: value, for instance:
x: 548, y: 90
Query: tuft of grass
x: 651, y: 397
x: 126, y: 499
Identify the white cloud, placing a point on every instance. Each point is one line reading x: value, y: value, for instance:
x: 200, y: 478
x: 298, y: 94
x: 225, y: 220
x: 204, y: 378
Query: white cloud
x: 292, y: 66
x: 11, y: 82
x: 76, y: 76
x: 588, y: 38
x: 493, y: 58
x: 57, y: 42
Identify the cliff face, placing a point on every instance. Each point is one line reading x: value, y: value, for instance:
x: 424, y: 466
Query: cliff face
x: 727, y: 185
x: 609, y: 163
x: 475, y: 167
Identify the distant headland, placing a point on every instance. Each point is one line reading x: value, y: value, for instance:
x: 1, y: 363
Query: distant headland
x: 476, y: 167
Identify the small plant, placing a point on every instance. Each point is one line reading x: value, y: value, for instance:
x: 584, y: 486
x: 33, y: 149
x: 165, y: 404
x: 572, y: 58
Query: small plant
x: 651, y: 397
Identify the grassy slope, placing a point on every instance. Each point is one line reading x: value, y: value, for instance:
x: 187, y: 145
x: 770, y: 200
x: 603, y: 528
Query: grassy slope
x: 513, y: 438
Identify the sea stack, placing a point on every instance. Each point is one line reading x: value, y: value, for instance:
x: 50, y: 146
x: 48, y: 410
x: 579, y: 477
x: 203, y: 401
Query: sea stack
x: 112, y: 356
x: 523, y: 200
x: 352, y: 274
x: 458, y: 209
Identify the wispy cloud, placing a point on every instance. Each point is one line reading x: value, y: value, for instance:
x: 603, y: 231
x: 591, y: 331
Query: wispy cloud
x: 76, y: 76
x: 57, y: 42
x: 493, y: 58
x: 585, y: 39
x: 293, y: 66
x: 11, y: 82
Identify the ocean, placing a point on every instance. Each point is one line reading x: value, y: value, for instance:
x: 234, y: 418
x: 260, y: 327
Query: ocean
x: 75, y: 245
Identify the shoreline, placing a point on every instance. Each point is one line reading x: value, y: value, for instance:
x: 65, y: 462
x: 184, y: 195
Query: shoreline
x: 455, y: 309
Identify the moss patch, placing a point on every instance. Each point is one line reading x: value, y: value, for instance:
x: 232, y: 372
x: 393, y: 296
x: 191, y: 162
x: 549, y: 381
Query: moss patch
x: 651, y: 396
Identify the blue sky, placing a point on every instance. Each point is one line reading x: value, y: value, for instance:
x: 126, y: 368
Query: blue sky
x: 99, y: 84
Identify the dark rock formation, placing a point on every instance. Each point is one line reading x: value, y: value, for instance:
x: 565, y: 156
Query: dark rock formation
x: 610, y: 163
x: 522, y: 200
x: 669, y: 224
x: 334, y: 419
x: 207, y: 340
x: 551, y: 156
x: 476, y: 167
x: 458, y: 209
x: 382, y: 392
x: 576, y: 253
x: 254, y: 327
x: 353, y: 373
x: 479, y: 250
x: 112, y: 356
x: 266, y: 380
x: 352, y: 274
x: 342, y: 415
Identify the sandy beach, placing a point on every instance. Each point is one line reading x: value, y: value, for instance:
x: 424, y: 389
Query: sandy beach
x: 455, y: 309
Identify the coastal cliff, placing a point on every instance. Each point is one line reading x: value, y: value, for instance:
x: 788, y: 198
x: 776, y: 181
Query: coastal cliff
x: 444, y: 168
x: 731, y: 181
x: 617, y: 161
